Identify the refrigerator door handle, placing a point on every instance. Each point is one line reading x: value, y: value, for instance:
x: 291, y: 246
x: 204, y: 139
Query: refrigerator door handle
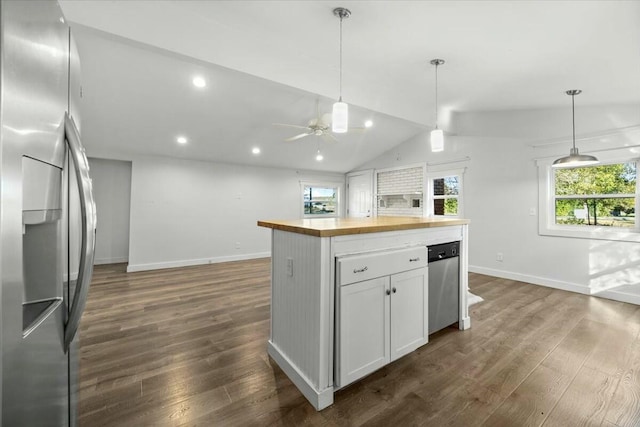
x: 88, y: 216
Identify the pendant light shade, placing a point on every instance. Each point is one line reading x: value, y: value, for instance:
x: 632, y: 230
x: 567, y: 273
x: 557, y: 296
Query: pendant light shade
x: 437, y: 136
x: 340, y: 113
x: 574, y: 159
x: 340, y: 117
x: 437, y: 140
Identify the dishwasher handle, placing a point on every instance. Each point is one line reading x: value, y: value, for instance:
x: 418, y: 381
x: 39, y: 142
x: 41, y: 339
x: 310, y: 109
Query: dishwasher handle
x: 444, y: 251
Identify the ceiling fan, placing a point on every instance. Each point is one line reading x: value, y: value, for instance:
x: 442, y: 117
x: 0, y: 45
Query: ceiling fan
x: 318, y: 126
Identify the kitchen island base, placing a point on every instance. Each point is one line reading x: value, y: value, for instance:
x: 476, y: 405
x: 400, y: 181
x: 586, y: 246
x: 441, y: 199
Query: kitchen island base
x: 307, y: 267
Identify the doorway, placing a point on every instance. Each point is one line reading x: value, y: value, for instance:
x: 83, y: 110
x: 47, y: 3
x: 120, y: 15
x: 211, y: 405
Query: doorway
x: 359, y: 194
x: 112, y: 192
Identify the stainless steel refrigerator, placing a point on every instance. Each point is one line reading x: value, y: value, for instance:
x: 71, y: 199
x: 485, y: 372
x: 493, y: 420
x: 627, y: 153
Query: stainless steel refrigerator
x: 47, y: 216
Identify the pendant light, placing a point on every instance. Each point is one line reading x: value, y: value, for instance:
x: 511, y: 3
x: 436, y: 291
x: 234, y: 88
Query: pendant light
x: 340, y: 114
x: 437, y: 136
x: 574, y: 159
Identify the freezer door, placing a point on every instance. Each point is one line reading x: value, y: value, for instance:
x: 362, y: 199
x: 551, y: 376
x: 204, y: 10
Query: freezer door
x: 73, y: 233
x: 34, y: 98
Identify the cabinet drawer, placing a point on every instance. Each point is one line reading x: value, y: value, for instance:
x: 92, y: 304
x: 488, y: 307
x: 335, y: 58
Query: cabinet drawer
x: 357, y: 268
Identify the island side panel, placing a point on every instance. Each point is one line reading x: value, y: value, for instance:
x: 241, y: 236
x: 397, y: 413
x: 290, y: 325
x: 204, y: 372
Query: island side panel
x: 465, y: 320
x: 301, y: 324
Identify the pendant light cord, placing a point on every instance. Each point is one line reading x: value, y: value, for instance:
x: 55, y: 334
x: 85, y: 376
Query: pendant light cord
x: 340, y: 58
x: 436, y: 95
x: 573, y: 120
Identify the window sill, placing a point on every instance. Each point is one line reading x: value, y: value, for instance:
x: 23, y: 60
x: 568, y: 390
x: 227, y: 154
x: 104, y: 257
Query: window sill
x: 597, y: 233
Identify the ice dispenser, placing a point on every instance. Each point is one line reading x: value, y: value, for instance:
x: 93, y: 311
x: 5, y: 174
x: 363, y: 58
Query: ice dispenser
x: 41, y: 242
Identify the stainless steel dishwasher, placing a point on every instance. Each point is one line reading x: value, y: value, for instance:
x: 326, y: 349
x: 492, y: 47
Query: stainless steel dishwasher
x: 444, y: 285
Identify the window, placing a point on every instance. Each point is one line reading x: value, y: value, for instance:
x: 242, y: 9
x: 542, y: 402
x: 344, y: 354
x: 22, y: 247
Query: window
x: 596, y: 202
x: 321, y: 200
x: 445, y: 193
x: 596, y: 196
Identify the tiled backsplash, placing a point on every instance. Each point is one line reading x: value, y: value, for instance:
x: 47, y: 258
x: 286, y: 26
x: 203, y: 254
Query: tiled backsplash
x: 399, y: 191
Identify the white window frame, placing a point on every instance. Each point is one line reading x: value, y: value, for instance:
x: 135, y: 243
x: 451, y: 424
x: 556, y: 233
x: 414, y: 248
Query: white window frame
x: 546, y: 204
x: 431, y: 197
x: 339, y: 186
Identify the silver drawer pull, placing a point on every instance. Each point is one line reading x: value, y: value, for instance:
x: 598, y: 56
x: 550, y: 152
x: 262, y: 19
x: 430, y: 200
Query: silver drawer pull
x: 360, y: 270
x: 414, y: 259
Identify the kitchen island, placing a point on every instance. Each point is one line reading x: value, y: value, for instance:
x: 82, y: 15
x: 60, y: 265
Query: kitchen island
x: 349, y: 295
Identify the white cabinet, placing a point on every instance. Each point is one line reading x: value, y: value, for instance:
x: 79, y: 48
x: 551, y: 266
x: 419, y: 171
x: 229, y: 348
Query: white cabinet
x: 409, y: 312
x: 380, y: 319
x: 364, y: 328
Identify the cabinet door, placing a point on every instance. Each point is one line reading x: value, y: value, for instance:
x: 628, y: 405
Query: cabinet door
x: 409, y: 305
x: 364, y: 329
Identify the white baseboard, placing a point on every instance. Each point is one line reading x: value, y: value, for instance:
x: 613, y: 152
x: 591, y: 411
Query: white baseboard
x: 188, y: 262
x: 118, y: 260
x: 542, y: 281
x: 319, y: 399
x: 619, y: 296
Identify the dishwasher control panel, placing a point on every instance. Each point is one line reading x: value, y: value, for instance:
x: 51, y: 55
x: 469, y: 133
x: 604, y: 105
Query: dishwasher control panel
x: 444, y: 251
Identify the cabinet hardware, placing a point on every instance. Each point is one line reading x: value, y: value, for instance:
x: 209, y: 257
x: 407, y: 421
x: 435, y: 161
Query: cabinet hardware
x: 360, y: 270
x: 388, y: 292
x: 394, y: 290
x: 414, y: 259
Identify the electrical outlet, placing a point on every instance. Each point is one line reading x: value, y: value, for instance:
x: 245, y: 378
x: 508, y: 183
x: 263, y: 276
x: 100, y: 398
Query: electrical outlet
x: 237, y: 245
x: 532, y: 211
x: 290, y: 267
x: 499, y: 257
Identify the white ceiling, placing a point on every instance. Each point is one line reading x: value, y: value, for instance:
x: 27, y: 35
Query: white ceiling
x: 500, y: 55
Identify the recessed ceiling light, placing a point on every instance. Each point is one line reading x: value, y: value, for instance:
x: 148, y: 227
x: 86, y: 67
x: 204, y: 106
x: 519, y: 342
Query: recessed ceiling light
x: 255, y: 150
x: 368, y: 124
x: 199, y: 81
x: 181, y: 140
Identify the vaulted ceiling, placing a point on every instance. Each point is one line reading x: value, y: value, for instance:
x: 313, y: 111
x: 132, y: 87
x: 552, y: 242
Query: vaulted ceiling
x: 271, y: 61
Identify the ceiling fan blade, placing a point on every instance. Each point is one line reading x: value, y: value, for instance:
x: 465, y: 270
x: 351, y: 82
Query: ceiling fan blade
x: 326, y: 119
x: 293, y: 138
x: 359, y: 130
x: 328, y: 137
x: 289, y: 126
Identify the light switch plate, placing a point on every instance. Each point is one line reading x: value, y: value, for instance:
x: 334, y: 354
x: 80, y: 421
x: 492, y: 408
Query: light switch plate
x: 290, y: 267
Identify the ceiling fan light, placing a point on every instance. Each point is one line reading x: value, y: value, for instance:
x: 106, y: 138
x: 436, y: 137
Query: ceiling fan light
x: 340, y: 117
x: 437, y: 140
x: 319, y: 156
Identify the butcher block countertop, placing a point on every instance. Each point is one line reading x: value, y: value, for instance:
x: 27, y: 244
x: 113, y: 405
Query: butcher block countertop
x: 328, y: 227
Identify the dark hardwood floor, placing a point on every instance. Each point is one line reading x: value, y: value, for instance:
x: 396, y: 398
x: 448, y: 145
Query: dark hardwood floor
x: 187, y: 346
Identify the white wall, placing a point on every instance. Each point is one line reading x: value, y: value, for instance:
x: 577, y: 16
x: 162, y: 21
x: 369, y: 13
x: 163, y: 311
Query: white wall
x: 501, y: 186
x: 190, y: 212
x: 112, y: 191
